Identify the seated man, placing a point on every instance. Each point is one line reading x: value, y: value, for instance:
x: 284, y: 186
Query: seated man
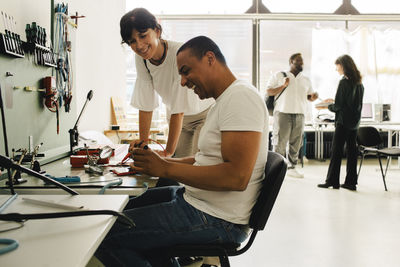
x: 221, y: 182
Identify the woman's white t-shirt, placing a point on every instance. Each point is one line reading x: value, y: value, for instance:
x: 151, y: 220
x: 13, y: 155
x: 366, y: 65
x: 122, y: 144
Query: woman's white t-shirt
x: 164, y: 80
x: 239, y: 108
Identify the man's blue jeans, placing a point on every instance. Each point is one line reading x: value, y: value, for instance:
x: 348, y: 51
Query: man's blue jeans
x: 163, y: 218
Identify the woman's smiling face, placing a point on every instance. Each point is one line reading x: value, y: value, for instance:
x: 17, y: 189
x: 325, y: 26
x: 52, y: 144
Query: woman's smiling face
x: 145, y: 44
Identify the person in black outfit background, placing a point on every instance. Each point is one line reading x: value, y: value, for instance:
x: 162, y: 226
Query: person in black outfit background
x: 347, y: 108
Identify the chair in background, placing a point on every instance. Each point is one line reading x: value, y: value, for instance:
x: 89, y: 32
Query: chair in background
x: 369, y: 143
x: 275, y: 171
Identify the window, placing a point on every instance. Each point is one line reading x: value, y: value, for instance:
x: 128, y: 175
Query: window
x: 234, y: 37
x: 377, y: 7
x: 191, y: 6
x: 303, y: 6
x: 280, y: 39
x: 372, y: 44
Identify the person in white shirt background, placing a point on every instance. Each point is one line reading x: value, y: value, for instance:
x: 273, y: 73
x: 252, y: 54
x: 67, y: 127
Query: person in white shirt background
x: 289, y: 110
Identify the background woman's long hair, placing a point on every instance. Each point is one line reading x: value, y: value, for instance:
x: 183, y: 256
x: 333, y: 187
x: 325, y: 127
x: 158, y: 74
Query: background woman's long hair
x: 349, y: 69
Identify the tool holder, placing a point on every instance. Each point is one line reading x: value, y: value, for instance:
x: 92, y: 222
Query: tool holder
x: 43, y: 55
x: 11, y: 44
x: 36, y: 39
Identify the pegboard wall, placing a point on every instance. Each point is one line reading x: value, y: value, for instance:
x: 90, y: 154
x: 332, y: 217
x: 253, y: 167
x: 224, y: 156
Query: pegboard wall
x: 25, y: 112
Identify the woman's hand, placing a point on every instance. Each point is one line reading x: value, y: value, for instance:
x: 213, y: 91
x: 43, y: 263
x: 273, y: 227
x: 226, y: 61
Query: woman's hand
x: 329, y: 100
x: 163, y: 153
x: 320, y: 108
x: 148, y: 162
x: 323, y: 104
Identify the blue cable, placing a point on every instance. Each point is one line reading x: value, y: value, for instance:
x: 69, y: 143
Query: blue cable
x: 8, y: 202
x: 11, y: 245
x: 118, y: 182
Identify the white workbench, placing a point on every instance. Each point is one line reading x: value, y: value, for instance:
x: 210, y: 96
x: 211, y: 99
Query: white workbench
x: 63, y: 241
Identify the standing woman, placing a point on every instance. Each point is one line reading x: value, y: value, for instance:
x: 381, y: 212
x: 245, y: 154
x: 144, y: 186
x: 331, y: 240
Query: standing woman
x: 347, y: 107
x: 157, y: 74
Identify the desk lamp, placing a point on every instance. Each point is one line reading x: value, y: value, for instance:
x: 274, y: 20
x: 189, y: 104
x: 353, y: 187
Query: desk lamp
x: 73, y: 133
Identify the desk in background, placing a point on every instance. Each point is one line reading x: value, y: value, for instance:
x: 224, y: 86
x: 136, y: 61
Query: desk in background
x: 320, y: 128
x: 392, y: 128
x: 126, y: 136
x: 61, y: 242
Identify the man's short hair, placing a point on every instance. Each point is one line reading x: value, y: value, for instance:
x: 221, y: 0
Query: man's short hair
x: 200, y: 45
x: 292, y: 57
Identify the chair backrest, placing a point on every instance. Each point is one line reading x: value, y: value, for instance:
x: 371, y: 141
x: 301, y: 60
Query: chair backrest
x: 275, y: 171
x: 368, y: 136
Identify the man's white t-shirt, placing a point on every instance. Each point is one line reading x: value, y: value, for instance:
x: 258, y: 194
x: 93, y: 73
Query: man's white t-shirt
x: 164, y: 80
x: 294, y: 99
x: 239, y: 108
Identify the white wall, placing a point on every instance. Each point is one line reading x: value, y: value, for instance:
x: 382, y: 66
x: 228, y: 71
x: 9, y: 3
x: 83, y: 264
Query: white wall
x: 99, y: 60
x: 24, y: 12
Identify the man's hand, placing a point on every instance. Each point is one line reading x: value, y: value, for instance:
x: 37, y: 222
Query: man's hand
x: 135, y: 144
x: 279, y: 89
x: 148, y: 162
x: 286, y: 83
x: 312, y: 97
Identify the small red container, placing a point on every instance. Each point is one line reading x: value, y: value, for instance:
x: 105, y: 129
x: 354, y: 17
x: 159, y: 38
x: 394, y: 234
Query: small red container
x: 77, y: 161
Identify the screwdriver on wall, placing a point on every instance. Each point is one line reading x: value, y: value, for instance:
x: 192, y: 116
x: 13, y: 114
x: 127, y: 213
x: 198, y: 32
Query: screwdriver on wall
x: 8, y: 45
x: 11, y: 41
x: 16, y: 36
x: 13, y: 35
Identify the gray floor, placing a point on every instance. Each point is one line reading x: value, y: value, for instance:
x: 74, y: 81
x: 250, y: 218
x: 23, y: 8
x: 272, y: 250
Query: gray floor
x: 312, y: 226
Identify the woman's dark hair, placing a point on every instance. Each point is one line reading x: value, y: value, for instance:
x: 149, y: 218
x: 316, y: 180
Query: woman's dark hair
x: 139, y: 19
x: 349, y: 69
x: 200, y: 45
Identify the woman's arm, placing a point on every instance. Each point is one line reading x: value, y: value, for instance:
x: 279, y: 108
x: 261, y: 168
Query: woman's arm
x: 335, y: 107
x: 144, y: 128
x: 175, y: 128
x: 144, y: 124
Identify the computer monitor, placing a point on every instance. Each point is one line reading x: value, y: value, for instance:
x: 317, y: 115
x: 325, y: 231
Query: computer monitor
x: 367, y: 112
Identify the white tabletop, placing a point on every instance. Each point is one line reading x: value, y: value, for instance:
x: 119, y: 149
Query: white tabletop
x: 62, y: 241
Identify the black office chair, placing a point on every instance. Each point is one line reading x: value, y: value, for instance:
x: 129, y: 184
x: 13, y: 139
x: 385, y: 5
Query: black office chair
x: 369, y: 143
x: 275, y: 171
